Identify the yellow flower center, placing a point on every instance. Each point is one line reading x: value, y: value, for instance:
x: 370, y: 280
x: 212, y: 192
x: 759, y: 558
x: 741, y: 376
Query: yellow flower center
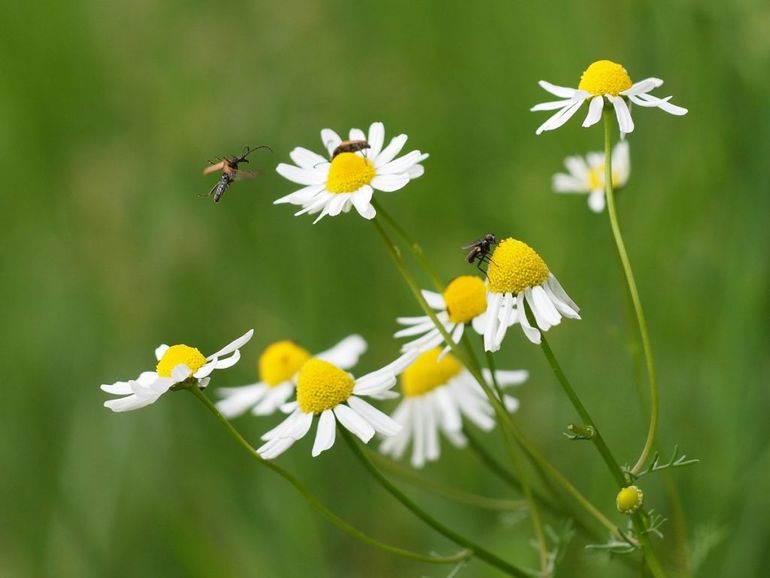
x: 322, y: 385
x: 605, y: 77
x: 596, y: 178
x: 280, y: 361
x: 514, y: 267
x: 427, y: 373
x: 348, y: 173
x: 465, y: 297
x: 629, y: 500
x: 178, y: 354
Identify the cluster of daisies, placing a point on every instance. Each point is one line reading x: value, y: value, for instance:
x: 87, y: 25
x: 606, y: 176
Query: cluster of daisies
x: 439, y: 395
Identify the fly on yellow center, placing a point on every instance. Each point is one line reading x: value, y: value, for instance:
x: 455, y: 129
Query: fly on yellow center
x: 178, y: 354
x: 605, y: 77
x: 427, y: 373
x: 465, y: 298
x: 280, y: 362
x: 322, y: 385
x: 514, y: 267
x: 348, y: 173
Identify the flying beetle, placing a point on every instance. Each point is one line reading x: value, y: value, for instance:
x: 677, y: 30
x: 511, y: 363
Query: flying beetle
x: 230, y: 171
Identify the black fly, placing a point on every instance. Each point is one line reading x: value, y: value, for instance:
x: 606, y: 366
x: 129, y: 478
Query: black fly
x: 479, y: 250
x: 230, y: 171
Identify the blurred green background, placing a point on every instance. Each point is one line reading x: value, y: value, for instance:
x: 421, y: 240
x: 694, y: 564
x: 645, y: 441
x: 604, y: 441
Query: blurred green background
x: 108, y: 112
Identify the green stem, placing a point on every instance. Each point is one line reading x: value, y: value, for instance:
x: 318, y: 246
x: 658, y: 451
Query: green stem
x: 641, y: 321
x: 597, y: 438
x: 478, y: 551
x: 413, y: 245
x: 537, y: 522
x: 518, y: 434
x: 313, y: 501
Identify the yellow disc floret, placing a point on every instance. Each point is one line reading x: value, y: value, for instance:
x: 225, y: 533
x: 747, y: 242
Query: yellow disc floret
x: 514, y: 267
x: 322, y: 385
x: 596, y: 178
x: 629, y: 500
x: 605, y: 77
x: 465, y: 297
x: 427, y: 373
x: 178, y: 354
x: 348, y: 173
x: 280, y: 361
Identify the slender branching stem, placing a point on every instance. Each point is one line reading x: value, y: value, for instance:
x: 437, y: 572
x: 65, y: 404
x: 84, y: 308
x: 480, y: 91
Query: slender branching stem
x: 315, y: 503
x: 631, y: 283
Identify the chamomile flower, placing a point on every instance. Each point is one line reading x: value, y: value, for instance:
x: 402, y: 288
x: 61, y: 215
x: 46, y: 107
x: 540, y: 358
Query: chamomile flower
x: 586, y: 175
x: 176, y: 364
x: 438, y: 393
x: 334, y: 395
x: 517, y: 275
x: 349, y: 179
x: 279, y: 366
x: 603, y: 79
x: 464, y: 302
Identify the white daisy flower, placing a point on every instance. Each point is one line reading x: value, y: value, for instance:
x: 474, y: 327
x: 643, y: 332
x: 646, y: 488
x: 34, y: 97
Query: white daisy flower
x: 586, y: 175
x: 463, y: 302
x: 349, y: 179
x: 176, y: 364
x: 279, y: 366
x: 603, y: 79
x: 438, y: 394
x: 325, y: 390
x: 517, y: 275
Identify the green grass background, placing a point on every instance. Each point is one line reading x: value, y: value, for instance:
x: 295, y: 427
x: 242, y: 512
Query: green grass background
x: 108, y: 112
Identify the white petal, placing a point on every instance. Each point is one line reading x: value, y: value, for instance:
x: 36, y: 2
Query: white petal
x: 376, y: 139
x: 389, y: 152
x: 543, y: 305
x: 129, y: 403
x: 511, y: 377
x: 560, y: 91
x: 228, y: 361
x: 596, y: 200
x: 275, y: 447
x: 506, y: 311
x: 401, y: 164
x: 182, y: 372
x: 418, y: 433
x: 594, y: 111
x: 354, y: 423
x: 625, y: 122
x: 346, y: 353
x: 362, y: 201
x: 448, y: 413
x: 307, y: 159
x: 233, y: 346
x: 117, y: 388
x: 494, y: 300
x: 381, y: 422
x: 390, y: 183
x: 160, y: 351
x: 645, y: 85
x: 330, y: 139
x: 302, y: 176
x: 434, y: 300
x: 356, y: 134
x: 432, y: 448
x: 560, y: 117
x: 530, y: 332
x: 551, y: 105
x: 325, y: 434
x: 237, y: 400
x: 274, y: 399
x: 302, y: 196
x: 560, y: 296
x: 418, y: 329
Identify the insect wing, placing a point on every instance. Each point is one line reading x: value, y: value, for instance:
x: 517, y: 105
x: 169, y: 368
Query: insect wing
x: 244, y: 175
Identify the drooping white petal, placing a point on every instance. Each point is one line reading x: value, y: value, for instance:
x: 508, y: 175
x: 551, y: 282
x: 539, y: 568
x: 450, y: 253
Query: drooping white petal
x: 596, y: 200
x: 560, y: 117
x: 530, y: 332
x: 625, y: 122
x: 362, y: 201
x: 274, y: 399
x: 325, y: 434
x: 552, y: 105
x: 645, y: 85
x: 378, y: 420
x: 228, y: 361
x: 354, y: 423
x: 560, y: 296
x: 494, y: 300
x: 594, y: 111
